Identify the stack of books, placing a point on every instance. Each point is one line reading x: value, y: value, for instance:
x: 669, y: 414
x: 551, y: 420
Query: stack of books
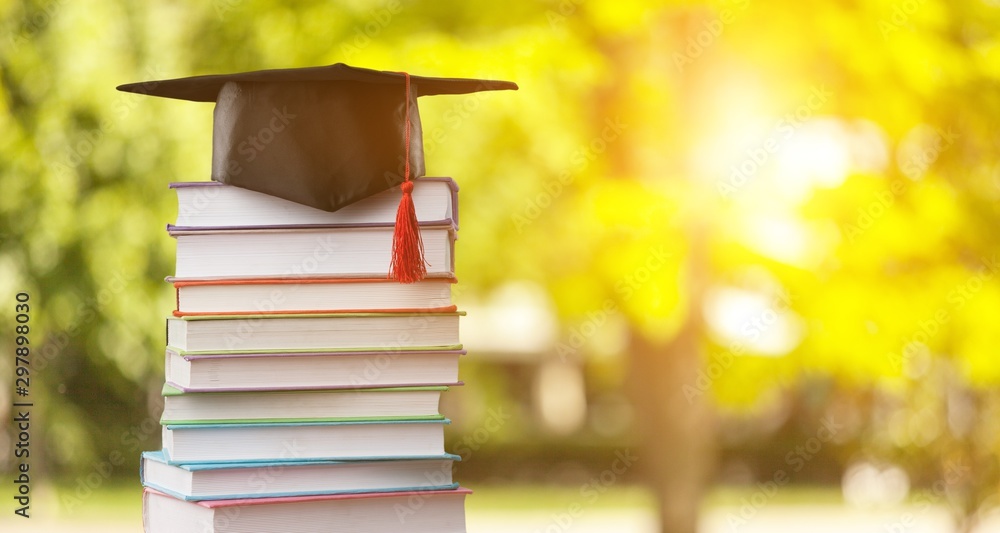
x: 302, y: 385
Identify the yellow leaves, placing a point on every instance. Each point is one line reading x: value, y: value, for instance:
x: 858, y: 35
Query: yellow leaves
x: 938, y: 210
x: 640, y: 253
x: 629, y: 204
x: 741, y: 383
x: 881, y: 326
x: 612, y: 16
x: 621, y: 253
x: 633, y: 224
x: 897, y: 221
x: 593, y: 179
x: 975, y: 336
x: 920, y: 41
x: 988, y: 57
x: 575, y: 293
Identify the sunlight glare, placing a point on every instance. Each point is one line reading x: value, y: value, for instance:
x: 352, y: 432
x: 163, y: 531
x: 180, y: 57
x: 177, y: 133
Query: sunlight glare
x: 761, y: 323
x: 817, y: 155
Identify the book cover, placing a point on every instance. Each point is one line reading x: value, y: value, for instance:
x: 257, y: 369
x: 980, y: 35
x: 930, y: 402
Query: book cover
x: 222, y: 481
x: 439, y: 511
x: 306, y: 295
x: 217, y: 504
x: 315, y: 405
x: 271, y: 441
x: 359, y: 251
x: 316, y: 332
x: 310, y: 370
x: 221, y: 206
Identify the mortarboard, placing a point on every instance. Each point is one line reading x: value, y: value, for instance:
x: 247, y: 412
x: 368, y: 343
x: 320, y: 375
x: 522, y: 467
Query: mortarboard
x: 325, y: 136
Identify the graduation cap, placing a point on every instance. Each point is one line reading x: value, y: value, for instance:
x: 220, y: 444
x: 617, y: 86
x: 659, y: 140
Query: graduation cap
x: 325, y: 136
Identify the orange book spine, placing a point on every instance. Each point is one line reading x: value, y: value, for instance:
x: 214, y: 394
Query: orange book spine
x: 446, y: 309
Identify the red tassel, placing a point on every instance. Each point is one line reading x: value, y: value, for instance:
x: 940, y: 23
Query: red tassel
x: 408, y: 263
x: 407, y: 248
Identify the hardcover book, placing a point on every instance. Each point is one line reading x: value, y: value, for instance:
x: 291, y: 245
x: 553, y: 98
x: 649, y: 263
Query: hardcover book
x: 309, y: 295
x: 293, y: 478
x: 439, y: 511
x: 283, y: 370
x: 331, y: 405
x: 335, y: 441
x: 312, y: 332
x: 298, y: 252
x: 211, y: 204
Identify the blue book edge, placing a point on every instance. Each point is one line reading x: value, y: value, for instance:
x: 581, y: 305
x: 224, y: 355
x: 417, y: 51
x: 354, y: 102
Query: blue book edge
x: 160, y: 456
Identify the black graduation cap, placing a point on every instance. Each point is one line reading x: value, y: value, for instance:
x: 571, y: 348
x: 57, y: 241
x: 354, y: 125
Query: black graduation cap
x: 325, y: 136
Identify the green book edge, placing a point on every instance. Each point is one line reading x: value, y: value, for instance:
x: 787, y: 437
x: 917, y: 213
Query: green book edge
x: 219, y: 421
x: 168, y: 390
x: 309, y: 315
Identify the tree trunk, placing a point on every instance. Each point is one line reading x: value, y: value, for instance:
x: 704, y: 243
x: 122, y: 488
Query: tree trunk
x: 677, y: 447
x: 675, y: 417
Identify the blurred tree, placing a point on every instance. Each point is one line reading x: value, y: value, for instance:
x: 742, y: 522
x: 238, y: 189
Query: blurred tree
x: 856, y: 180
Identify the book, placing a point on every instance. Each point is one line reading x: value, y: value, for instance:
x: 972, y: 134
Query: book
x: 315, y: 332
x: 438, y: 511
x: 265, y: 296
x: 297, y: 252
x: 217, y: 205
x: 293, y: 478
x: 331, y: 405
x: 311, y: 370
x: 334, y: 441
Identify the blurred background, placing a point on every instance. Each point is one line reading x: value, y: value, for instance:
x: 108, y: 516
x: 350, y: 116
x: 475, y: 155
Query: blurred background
x: 728, y: 266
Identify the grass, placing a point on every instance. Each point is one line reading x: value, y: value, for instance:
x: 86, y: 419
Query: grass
x: 540, y: 497
x: 124, y: 498
x: 115, y: 501
x: 118, y: 502
x: 799, y: 495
